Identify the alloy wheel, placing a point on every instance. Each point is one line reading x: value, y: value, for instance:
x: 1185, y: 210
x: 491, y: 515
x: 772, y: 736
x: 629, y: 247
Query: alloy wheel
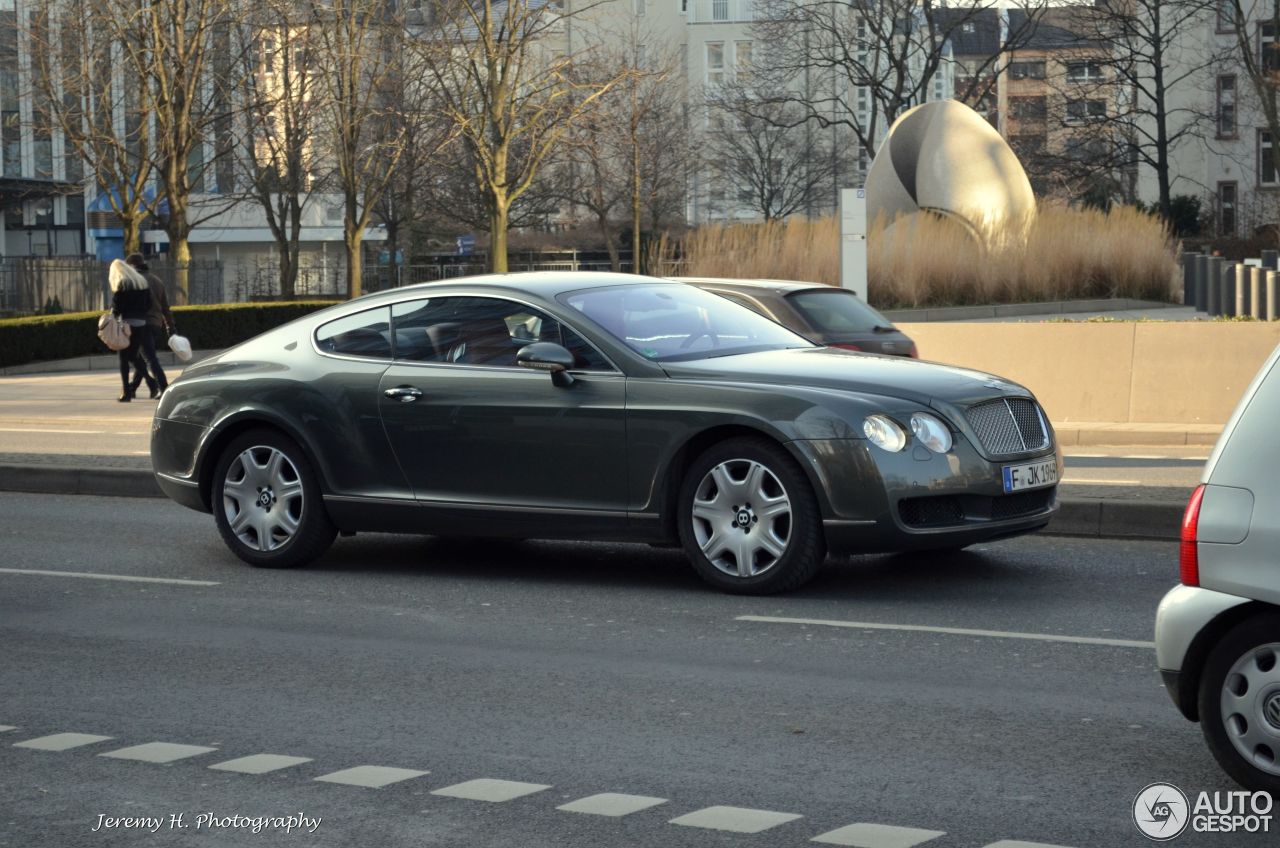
x: 742, y: 517
x: 262, y: 497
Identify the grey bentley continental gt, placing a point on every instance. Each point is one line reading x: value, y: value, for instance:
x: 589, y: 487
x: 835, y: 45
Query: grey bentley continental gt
x: 597, y: 407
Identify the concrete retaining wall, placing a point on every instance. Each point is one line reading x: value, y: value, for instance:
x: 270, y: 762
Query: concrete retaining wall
x: 1185, y: 372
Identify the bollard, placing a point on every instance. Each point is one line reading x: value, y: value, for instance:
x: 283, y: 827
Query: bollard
x: 1270, y: 259
x: 1253, y: 307
x: 1244, y: 279
x: 1228, y: 291
x: 1213, y: 288
x: 1202, y: 283
x: 1270, y: 295
x: 1189, y: 278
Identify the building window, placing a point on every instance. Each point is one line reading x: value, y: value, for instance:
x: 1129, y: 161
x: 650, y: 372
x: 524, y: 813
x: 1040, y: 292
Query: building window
x: 1028, y: 108
x: 1079, y: 111
x: 640, y: 4
x: 1268, y: 55
x: 1266, y: 162
x: 684, y: 7
x: 267, y: 55
x: 1226, y: 106
x: 1226, y: 209
x: 742, y: 61
x: 1084, y: 72
x: 715, y: 62
x: 1027, y: 70
x: 719, y: 10
x: 1226, y: 16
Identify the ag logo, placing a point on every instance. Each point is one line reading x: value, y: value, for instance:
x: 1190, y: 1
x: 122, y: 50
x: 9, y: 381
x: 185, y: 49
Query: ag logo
x: 1161, y: 811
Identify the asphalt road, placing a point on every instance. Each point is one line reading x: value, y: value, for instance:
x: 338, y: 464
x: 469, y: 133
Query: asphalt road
x: 583, y: 668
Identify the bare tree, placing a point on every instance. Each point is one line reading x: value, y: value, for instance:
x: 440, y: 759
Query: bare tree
x: 507, y: 80
x: 105, y: 118
x: 278, y: 153
x: 767, y: 160
x: 858, y: 64
x: 1257, y: 30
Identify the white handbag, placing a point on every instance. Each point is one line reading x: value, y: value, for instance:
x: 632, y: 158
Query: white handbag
x: 181, y: 347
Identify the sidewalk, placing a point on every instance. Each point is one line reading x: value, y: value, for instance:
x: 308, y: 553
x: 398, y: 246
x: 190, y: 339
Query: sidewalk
x: 66, y: 434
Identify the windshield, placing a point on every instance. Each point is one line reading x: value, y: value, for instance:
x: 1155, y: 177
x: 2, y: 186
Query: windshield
x: 672, y: 322
x: 834, y: 311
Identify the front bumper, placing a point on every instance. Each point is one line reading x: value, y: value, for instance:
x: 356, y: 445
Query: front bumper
x: 876, y: 501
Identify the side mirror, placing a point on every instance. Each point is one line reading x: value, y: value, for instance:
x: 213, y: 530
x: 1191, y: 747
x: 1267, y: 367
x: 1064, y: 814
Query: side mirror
x: 547, y: 356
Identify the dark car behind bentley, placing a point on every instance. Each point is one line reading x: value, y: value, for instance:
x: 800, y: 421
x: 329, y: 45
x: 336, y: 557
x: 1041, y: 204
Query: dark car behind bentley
x: 600, y: 407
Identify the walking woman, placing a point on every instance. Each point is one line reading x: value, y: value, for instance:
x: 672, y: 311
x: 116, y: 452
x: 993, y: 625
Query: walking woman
x: 131, y: 300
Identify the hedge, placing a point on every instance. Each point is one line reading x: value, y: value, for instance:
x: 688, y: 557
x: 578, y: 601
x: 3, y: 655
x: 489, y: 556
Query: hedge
x: 47, y: 337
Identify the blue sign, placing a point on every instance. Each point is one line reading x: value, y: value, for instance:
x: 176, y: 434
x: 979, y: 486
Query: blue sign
x: 466, y: 245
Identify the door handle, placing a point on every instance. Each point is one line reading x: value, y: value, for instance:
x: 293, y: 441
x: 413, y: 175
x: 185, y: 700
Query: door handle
x: 405, y: 394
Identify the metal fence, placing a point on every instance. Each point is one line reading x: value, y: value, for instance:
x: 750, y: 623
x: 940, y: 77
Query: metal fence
x: 30, y: 285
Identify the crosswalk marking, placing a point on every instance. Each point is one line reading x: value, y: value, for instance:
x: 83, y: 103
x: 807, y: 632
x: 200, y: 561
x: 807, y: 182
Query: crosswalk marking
x: 260, y: 763
x: 611, y: 804
x: 158, y: 752
x: 488, y: 789
x: 865, y: 835
x: 735, y: 819
x: 5, y: 728
x: 1014, y: 843
x: 61, y: 741
x: 370, y: 777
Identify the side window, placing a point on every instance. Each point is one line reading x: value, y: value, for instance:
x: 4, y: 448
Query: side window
x: 481, y: 331
x: 366, y: 334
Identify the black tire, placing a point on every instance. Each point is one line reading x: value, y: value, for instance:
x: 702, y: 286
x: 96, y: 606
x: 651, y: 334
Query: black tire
x: 315, y: 531
x: 805, y: 549
x: 1235, y: 645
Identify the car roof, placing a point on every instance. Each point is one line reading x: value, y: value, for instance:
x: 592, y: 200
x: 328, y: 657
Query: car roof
x: 546, y: 284
x: 748, y: 286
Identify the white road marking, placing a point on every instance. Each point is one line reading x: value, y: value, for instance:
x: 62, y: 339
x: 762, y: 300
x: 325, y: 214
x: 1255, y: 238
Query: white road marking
x: 126, y: 577
x: 73, y: 432
x: 488, y: 789
x: 735, y: 819
x: 1014, y: 843
x: 158, y: 752
x: 1090, y: 482
x: 611, y: 804
x: 954, y: 631
x: 61, y: 741
x: 5, y: 728
x: 260, y: 763
x: 370, y: 777
x: 864, y: 835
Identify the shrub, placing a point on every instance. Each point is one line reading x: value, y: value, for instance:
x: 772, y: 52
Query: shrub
x: 47, y: 337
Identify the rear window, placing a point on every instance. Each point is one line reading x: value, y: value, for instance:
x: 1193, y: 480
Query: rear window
x: 836, y: 311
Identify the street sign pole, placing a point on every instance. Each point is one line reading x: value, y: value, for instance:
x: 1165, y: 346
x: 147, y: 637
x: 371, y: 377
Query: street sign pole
x: 853, y: 240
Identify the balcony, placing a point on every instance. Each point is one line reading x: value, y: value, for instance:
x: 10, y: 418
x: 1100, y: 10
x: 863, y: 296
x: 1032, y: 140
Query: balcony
x: 721, y: 11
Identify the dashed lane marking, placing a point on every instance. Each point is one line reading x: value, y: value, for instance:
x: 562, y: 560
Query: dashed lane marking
x: 611, y: 804
x: 260, y: 763
x: 953, y: 631
x: 61, y: 741
x: 158, y: 752
x: 488, y: 789
x: 370, y: 777
x: 174, y: 581
x: 5, y: 728
x: 735, y: 819
x: 1085, y: 481
x: 865, y: 835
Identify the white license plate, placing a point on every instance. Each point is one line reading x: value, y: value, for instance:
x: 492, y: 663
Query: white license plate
x: 1036, y: 475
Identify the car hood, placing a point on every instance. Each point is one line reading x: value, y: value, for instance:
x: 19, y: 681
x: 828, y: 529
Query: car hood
x: 830, y: 368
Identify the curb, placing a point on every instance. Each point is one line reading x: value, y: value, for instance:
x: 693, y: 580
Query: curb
x: 1089, y: 517
x: 1017, y: 310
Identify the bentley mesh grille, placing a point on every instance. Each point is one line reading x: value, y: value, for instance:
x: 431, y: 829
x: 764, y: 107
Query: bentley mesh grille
x: 1008, y: 426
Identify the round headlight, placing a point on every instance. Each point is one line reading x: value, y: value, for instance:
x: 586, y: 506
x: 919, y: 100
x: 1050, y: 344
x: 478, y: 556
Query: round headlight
x: 884, y: 433
x: 931, y: 431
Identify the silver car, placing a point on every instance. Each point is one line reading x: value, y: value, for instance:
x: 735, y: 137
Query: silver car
x: 1218, y: 634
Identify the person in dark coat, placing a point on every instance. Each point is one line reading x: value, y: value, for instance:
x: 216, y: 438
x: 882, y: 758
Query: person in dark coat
x: 130, y: 301
x: 159, y: 322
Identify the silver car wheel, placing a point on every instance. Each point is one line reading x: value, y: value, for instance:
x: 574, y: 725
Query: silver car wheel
x: 1251, y: 707
x: 262, y: 498
x: 742, y: 518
